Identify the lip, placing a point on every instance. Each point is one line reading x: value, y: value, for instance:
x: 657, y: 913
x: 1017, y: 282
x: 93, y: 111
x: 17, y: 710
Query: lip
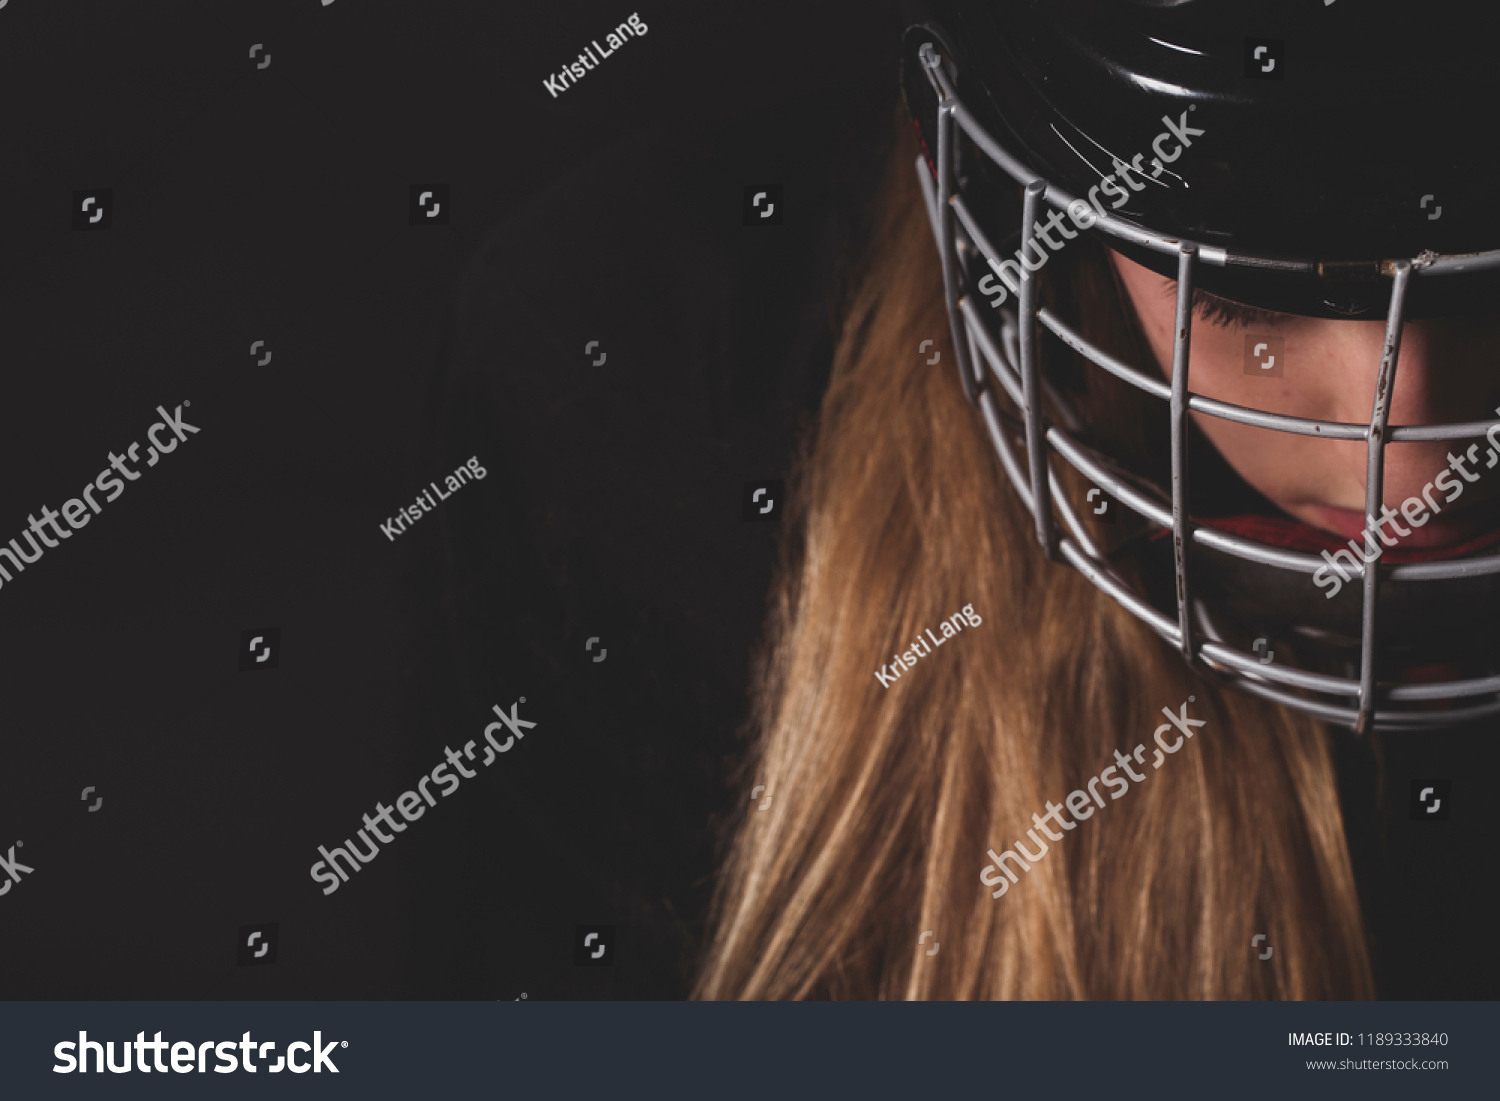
x: 1439, y: 531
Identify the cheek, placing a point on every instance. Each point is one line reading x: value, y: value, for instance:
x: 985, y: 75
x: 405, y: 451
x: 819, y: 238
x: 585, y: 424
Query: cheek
x: 1289, y: 470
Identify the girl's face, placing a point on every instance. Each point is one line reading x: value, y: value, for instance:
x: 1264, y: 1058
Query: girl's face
x: 1447, y: 372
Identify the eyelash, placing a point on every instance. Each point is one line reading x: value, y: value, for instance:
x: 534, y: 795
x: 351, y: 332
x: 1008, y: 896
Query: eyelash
x: 1226, y: 314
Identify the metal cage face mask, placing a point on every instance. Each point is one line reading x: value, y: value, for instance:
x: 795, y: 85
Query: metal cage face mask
x: 1000, y: 345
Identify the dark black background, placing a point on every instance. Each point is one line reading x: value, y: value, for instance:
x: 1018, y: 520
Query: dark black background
x: 271, y: 204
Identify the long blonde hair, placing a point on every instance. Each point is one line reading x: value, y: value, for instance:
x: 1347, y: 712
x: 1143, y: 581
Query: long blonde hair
x: 884, y: 801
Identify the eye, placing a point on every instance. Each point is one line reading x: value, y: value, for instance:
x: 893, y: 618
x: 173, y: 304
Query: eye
x: 1229, y: 315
